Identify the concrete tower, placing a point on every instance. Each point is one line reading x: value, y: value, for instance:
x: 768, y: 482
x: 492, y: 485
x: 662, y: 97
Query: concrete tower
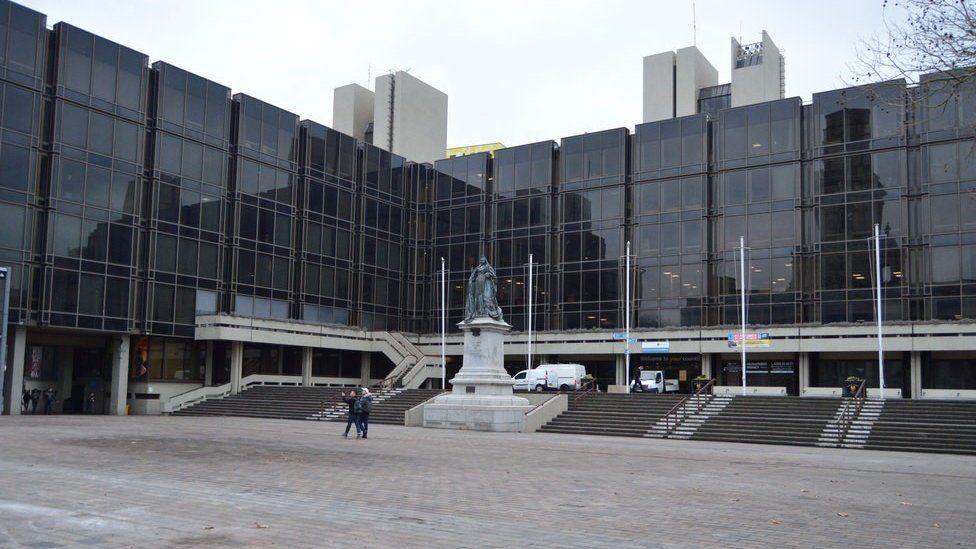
x: 758, y: 72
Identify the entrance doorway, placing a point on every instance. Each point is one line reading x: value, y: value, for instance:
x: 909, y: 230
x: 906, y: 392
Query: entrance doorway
x: 90, y: 380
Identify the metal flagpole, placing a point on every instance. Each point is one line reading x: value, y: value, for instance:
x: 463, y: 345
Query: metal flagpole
x: 528, y: 361
x: 627, y: 325
x: 443, y: 325
x: 5, y: 276
x: 877, y: 268
x: 742, y: 286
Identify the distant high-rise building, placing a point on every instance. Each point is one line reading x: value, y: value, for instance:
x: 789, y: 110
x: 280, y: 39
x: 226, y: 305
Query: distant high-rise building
x: 672, y: 80
x: 683, y: 82
x: 352, y: 110
x: 404, y: 115
x: 758, y: 72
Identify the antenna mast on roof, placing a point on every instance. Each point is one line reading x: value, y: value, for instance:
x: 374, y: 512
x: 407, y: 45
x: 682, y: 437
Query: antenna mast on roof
x: 694, y: 26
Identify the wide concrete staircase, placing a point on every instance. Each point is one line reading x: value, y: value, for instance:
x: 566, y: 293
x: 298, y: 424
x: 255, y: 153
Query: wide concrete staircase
x: 925, y: 426
x: 769, y: 420
x: 626, y: 415
x: 268, y: 401
x: 308, y: 403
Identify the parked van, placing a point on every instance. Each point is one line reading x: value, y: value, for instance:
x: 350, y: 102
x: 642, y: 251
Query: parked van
x: 563, y: 377
x: 653, y: 381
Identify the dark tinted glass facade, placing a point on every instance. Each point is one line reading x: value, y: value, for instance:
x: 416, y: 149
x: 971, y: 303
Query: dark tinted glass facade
x: 134, y: 199
x: 97, y: 183
x: 522, y: 201
x: 329, y: 169
x: 592, y: 224
x: 459, y: 208
x: 188, y: 205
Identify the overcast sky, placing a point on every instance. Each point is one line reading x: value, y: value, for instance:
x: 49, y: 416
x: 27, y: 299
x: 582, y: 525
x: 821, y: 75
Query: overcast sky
x: 514, y: 71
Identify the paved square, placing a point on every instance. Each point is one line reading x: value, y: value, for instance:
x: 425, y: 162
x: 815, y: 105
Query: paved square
x: 205, y: 482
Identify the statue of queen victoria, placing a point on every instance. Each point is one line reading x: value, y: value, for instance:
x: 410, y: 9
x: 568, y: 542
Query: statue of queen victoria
x: 481, y: 292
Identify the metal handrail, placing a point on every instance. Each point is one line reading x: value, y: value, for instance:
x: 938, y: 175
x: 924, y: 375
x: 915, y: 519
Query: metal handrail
x: 588, y: 389
x: 674, y: 409
x: 846, y: 415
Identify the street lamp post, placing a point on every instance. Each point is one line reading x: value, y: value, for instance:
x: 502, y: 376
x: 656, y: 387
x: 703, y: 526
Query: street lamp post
x: 877, y: 274
x: 528, y: 359
x: 742, y: 286
x: 627, y: 323
x: 443, y: 325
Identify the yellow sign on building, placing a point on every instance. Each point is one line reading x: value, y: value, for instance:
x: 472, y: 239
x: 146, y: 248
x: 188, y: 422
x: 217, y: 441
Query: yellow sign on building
x: 471, y: 149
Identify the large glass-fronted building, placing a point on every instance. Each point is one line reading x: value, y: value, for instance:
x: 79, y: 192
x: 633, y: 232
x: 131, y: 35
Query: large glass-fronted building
x: 163, y: 233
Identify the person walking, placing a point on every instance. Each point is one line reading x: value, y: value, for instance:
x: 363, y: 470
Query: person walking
x: 50, y: 395
x: 365, y: 407
x: 637, y: 386
x: 35, y: 397
x: 353, y: 418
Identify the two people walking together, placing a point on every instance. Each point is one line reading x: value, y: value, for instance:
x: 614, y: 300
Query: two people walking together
x: 360, y: 405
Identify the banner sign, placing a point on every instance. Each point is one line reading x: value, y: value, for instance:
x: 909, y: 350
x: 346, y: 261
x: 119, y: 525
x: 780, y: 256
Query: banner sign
x: 36, y: 356
x: 655, y: 346
x: 753, y: 340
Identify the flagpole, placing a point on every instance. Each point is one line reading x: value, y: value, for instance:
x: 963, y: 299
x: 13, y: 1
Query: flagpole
x: 627, y: 325
x: 443, y: 325
x: 742, y: 287
x: 528, y: 360
x: 877, y: 269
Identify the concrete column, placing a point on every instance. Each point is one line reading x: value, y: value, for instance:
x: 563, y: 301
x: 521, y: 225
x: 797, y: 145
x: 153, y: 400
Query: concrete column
x: 621, y: 370
x: 120, y: 376
x: 208, y: 365
x: 540, y: 359
x: 281, y: 360
x: 803, y: 371
x: 15, y: 372
x: 915, y: 363
x: 367, y: 361
x: 307, y: 366
x: 706, y: 365
x: 236, y: 366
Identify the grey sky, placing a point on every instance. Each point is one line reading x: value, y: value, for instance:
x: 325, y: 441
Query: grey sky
x: 515, y: 72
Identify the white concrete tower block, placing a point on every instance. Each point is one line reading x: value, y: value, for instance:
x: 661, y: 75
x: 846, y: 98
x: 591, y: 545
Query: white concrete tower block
x: 352, y: 110
x: 692, y: 73
x: 757, y: 72
x: 418, y: 114
x: 659, y: 86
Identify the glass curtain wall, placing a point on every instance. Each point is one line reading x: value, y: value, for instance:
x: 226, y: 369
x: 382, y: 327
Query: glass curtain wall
x: 859, y: 179
x: 591, y: 215
x: 669, y: 206
x: 756, y: 196
x: 191, y: 135
x: 97, y: 168
x: 944, y: 208
x: 382, y: 246
x: 459, y: 218
x: 419, y: 293
x: 522, y: 202
x: 265, y: 167
x: 327, y: 224
x: 23, y: 45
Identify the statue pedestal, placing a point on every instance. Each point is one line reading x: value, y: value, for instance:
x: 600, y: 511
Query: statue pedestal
x: 481, y: 398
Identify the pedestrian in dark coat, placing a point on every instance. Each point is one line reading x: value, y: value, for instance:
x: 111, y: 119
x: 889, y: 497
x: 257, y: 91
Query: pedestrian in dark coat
x: 353, y: 418
x: 365, y: 407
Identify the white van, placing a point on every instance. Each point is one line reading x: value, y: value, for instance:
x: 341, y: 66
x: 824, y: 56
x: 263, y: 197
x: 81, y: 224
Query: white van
x: 564, y: 377
x: 653, y: 381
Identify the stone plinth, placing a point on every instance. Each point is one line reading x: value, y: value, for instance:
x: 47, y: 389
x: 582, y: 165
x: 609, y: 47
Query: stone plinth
x: 481, y: 398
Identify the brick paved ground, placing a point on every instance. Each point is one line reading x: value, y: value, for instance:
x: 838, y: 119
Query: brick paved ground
x: 204, y: 482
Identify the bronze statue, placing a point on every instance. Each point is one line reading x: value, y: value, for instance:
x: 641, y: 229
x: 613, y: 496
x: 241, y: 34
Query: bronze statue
x: 482, y: 287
